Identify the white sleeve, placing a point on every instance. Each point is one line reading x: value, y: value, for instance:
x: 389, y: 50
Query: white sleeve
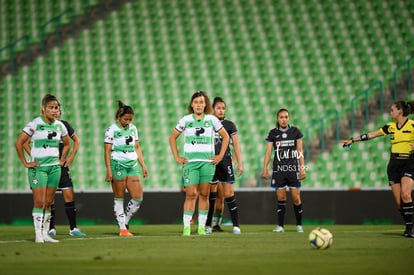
x: 109, y: 136
x: 30, y: 128
x: 64, y: 130
x: 180, y: 127
x: 217, y: 124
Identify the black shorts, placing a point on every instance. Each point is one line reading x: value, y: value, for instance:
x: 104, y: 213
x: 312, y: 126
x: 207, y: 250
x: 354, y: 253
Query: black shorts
x: 285, y: 175
x: 65, y: 179
x: 398, y: 168
x: 224, y: 172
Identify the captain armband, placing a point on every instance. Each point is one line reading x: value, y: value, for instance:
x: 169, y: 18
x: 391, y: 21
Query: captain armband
x: 364, y: 137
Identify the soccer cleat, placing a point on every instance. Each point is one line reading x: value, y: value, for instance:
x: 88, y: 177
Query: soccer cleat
x: 39, y: 239
x: 187, y: 231
x: 125, y: 233
x: 279, y: 229
x: 236, y: 230
x: 408, y: 233
x: 201, y: 230
x: 52, y: 232
x: 299, y: 229
x: 48, y: 239
x: 217, y: 228
x: 209, y: 230
x: 75, y: 232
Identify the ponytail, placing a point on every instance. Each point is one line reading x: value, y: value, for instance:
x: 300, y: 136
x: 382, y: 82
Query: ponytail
x: 406, y: 107
x: 123, y: 109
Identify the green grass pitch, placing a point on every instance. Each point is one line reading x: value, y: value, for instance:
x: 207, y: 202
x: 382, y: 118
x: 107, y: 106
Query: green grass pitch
x: 160, y: 249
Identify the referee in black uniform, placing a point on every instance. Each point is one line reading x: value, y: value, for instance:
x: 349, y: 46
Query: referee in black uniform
x: 400, y: 167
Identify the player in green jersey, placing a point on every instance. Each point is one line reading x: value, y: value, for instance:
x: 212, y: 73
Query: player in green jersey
x: 199, y: 129
x: 45, y: 134
x: 122, y: 156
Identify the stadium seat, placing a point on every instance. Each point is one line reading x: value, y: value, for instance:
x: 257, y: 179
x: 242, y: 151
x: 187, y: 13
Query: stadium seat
x: 258, y: 56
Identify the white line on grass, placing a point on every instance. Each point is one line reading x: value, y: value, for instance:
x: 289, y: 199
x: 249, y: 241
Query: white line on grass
x: 154, y: 236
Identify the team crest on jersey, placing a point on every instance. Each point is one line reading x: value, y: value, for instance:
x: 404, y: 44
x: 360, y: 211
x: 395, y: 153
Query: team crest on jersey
x: 284, y: 135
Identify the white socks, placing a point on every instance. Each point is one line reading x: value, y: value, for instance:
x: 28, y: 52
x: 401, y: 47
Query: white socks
x: 132, y: 208
x: 119, y: 212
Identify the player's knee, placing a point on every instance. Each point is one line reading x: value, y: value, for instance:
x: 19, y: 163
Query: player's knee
x: 406, y: 196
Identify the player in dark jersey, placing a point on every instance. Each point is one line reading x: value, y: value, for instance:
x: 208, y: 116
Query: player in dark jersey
x: 222, y: 187
x: 288, y: 167
x: 400, y: 167
x: 66, y: 185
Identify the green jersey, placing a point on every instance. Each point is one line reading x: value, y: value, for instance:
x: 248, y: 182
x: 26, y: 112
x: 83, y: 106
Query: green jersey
x: 199, y: 136
x: 123, y: 144
x: 44, y: 140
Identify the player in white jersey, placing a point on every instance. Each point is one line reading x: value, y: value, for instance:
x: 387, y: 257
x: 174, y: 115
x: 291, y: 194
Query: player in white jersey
x: 199, y: 128
x: 65, y: 183
x: 45, y: 134
x: 122, y: 155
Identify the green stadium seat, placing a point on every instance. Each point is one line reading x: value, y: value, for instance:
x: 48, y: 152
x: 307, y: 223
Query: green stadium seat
x: 259, y: 57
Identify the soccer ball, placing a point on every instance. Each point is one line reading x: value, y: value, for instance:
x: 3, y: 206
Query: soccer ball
x: 320, y: 238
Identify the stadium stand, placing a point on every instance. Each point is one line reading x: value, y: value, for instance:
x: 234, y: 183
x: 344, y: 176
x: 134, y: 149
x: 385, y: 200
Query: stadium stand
x: 307, y: 56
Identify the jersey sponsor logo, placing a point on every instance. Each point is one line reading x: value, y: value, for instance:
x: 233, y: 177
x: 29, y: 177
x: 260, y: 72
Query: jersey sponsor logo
x: 199, y: 141
x: 128, y: 140
x: 199, y: 131
x: 51, y: 134
x: 287, y: 154
x: 284, y: 143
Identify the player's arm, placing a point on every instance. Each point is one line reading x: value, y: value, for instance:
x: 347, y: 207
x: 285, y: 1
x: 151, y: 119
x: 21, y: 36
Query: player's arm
x: 299, y: 149
x: 75, y: 148
x: 224, y: 144
x: 363, y: 137
x: 107, y: 156
x: 26, y: 146
x: 141, y: 159
x: 21, y: 140
x: 65, y: 151
x: 237, y: 154
x: 268, y: 155
x: 173, y: 145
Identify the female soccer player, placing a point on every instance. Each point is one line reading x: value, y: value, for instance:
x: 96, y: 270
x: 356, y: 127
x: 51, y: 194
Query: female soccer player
x: 199, y: 128
x: 288, y: 167
x: 122, y: 155
x: 400, y: 167
x: 45, y: 134
x: 65, y: 183
x: 224, y: 174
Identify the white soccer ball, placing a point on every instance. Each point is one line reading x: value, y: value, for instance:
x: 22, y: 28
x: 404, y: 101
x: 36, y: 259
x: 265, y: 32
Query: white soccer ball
x: 320, y: 238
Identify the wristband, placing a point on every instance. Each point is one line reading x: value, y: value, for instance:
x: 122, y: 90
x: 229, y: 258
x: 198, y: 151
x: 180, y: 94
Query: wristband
x: 364, y: 137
